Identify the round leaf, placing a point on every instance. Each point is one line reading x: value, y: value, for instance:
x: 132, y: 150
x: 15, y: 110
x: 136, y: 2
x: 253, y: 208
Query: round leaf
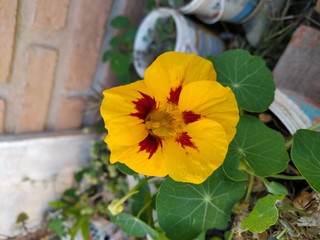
x: 185, y: 210
x: 248, y: 76
x: 262, y: 148
x: 263, y: 215
x: 305, y: 153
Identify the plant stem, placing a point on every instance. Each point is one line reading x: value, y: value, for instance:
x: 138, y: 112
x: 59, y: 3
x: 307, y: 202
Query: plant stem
x: 280, y: 176
x: 143, y: 209
x: 281, y: 233
x: 288, y: 207
x: 249, y: 189
x: 289, y: 143
x: 315, y: 126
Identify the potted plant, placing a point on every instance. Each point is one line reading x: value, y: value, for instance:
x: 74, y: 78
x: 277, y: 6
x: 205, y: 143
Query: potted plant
x: 251, y: 188
x: 164, y: 30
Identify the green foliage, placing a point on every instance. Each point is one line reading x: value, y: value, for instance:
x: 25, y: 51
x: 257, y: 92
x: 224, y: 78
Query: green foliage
x: 57, y: 225
x: 22, y: 217
x: 248, y: 76
x: 134, y: 226
x: 120, y: 52
x: 120, y: 22
x: 305, y: 154
x: 185, y: 210
x: 263, y: 215
x: 95, y: 187
x: 258, y: 146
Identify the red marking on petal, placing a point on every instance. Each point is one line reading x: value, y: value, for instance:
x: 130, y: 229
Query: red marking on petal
x: 185, y: 140
x: 150, y: 144
x: 190, y: 117
x: 144, y: 106
x: 174, y: 95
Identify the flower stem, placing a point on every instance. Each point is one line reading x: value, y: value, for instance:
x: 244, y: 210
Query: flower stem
x: 280, y: 176
x: 249, y: 189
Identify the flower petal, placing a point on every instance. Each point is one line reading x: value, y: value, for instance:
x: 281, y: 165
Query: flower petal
x: 212, y: 101
x: 136, y: 159
x: 201, y: 151
x: 121, y: 114
x: 173, y: 70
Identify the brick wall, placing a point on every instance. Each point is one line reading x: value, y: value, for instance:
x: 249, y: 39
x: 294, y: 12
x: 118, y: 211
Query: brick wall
x: 49, y: 51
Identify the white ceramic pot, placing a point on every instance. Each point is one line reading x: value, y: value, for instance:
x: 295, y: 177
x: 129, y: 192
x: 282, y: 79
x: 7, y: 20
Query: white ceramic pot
x: 190, y: 38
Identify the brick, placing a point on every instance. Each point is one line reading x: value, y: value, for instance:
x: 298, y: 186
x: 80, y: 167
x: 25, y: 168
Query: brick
x: 85, y: 42
x: 70, y: 113
x: 2, y: 114
x: 39, y: 80
x: 51, y: 14
x: 8, y: 12
x: 298, y: 69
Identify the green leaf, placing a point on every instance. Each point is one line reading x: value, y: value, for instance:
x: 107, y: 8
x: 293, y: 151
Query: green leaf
x: 129, y: 35
x: 275, y: 187
x: 262, y: 148
x: 120, y: 64
x: 22, y: 217
x: 248, y: 76
x: 139, y: 201
x: 186, y: 210
x: 83, y: 224
x: 56, y: 225
x: 120, y: 22
x: 230, y: 166
x: 134, y: 226
x: 125, y: 169
x: 305, y: 153
x: 58, y: 204
x: 263, y: 215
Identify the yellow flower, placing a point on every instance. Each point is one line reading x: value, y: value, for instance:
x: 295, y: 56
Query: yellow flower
x: 178, y: 121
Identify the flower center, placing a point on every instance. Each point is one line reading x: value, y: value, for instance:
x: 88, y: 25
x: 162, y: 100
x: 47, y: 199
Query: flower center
x: 164, y: 122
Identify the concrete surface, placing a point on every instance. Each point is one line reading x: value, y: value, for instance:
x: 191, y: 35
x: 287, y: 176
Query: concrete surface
x: 35, y: 169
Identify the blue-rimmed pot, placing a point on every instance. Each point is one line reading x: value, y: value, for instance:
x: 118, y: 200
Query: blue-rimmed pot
x: 234, y: 11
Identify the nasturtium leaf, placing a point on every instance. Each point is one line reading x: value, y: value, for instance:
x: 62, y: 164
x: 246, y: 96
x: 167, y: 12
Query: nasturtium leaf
x: 120, y: 22
x: 134, y: 226
x: 185, y: 210
x: 305, y: 153
x: 248, y: 76
x: 262, y: 148
x: 263, y: 215
x: 230, y: 166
